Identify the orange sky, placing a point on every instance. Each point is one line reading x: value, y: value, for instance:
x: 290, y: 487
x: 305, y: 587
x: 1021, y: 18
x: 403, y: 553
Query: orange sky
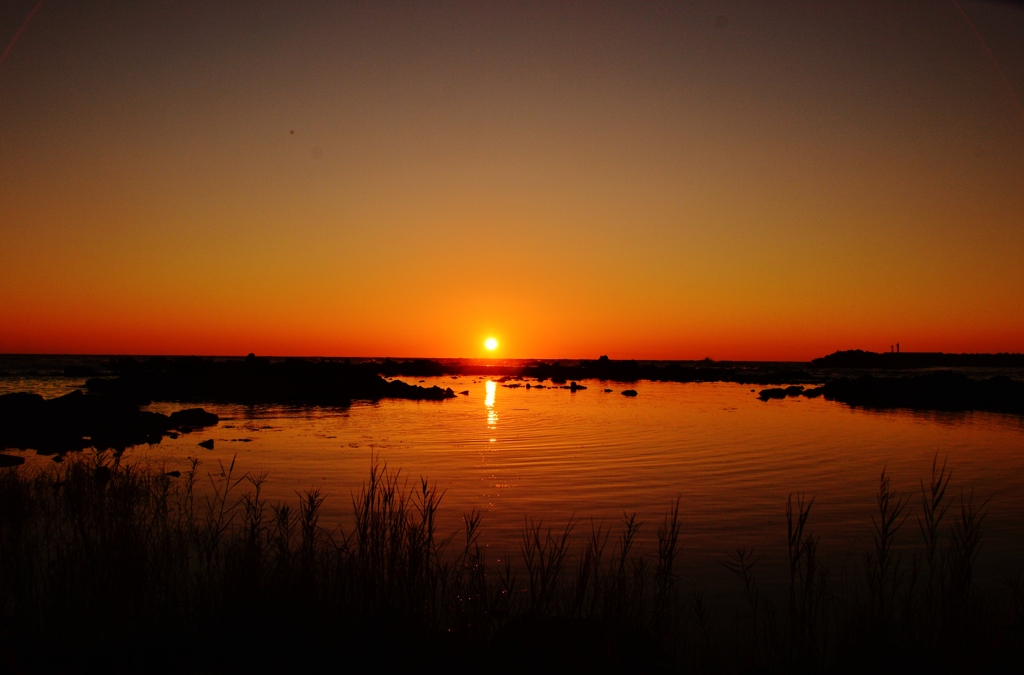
x: 714, y: 180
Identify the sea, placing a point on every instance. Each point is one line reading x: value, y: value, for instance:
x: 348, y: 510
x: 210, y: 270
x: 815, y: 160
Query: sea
x: 591, y: 458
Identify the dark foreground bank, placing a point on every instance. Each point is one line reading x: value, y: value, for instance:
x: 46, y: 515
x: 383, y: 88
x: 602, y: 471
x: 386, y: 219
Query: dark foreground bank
x: 121, y: 569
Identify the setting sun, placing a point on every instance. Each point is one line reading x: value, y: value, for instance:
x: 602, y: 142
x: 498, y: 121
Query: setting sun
x: 741, y: 252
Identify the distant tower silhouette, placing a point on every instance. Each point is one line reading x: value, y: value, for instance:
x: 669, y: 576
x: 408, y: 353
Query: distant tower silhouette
x: 897, y: 347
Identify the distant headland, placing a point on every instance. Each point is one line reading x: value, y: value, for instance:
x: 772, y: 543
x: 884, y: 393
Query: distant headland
x: 896, y: 360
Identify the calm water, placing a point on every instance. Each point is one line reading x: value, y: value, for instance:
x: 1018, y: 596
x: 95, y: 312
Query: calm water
x: 550, y: 454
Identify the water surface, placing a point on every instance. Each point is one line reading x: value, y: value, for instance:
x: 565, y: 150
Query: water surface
x: 517, y: 454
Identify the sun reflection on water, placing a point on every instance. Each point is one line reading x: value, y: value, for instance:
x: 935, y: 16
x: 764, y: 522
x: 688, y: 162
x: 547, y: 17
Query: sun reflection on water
x: 491, y: 389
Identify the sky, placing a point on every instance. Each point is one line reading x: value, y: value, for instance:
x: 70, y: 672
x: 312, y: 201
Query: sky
x: 642, y: 180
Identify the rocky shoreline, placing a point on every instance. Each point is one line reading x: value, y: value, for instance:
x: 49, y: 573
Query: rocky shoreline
x: 254, y: 380
x: 109, y: 415
x: 77, y: 421
x: 943, y: 391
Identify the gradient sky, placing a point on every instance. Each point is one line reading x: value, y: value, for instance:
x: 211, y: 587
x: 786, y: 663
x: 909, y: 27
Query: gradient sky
x: 733, y: 180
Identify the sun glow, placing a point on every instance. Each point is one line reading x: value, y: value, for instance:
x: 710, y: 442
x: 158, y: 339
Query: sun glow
x: 491, y: 344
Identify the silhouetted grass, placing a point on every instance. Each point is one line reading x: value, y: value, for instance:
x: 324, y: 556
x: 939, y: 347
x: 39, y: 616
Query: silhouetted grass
x: 109, y: 565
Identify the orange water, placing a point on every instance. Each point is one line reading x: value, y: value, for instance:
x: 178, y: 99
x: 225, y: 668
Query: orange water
x: 550, y: 454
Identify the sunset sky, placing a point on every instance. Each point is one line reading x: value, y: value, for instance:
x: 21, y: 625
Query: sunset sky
x: 643, y: 180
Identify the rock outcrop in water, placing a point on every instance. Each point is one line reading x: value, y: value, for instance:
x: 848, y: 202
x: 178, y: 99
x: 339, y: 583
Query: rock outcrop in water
x: 254, y: 381
x: 779, y: 392
x: 77, y: 420
x: 337, y: 382
x: 606, y: 369
x: 943, y: 391
x: 108, y: 417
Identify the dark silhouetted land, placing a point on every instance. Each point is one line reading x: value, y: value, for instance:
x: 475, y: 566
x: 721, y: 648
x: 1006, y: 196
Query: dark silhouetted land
x: 109, y: 415
x: 254, y: 380
x: 944, y: 391
x: 603, y: 368
x: 965, y: 382
x: 77, y: 420
x: 859, y: 359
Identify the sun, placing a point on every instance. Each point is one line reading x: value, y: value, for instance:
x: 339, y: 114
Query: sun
x: 491, y: 344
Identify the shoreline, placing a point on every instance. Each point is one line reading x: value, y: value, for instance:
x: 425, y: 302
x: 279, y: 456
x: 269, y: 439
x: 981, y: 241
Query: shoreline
x: 109, y: 415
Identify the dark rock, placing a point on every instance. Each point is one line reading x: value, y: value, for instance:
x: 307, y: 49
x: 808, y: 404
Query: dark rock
x: 76, y: 421
x: 575, y: 387
x: 607, y: 369
x: 943, y: 390
x: 193, y: 418
x: 775, y: 392
x: 21, y: 403
x: 464, y: 393
x: 629, y: 392
x: 399, y: 389
x: 10, y: 460
x: 259, y: 380
x: 208, y: 444
x: 607, y: 391
x: 794, y: 390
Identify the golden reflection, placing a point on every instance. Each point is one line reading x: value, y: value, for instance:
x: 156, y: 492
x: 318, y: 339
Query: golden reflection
x: 491, y: 389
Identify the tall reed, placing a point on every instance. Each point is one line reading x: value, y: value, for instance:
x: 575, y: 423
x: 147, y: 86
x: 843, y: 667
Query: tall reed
x: 110, y: 565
